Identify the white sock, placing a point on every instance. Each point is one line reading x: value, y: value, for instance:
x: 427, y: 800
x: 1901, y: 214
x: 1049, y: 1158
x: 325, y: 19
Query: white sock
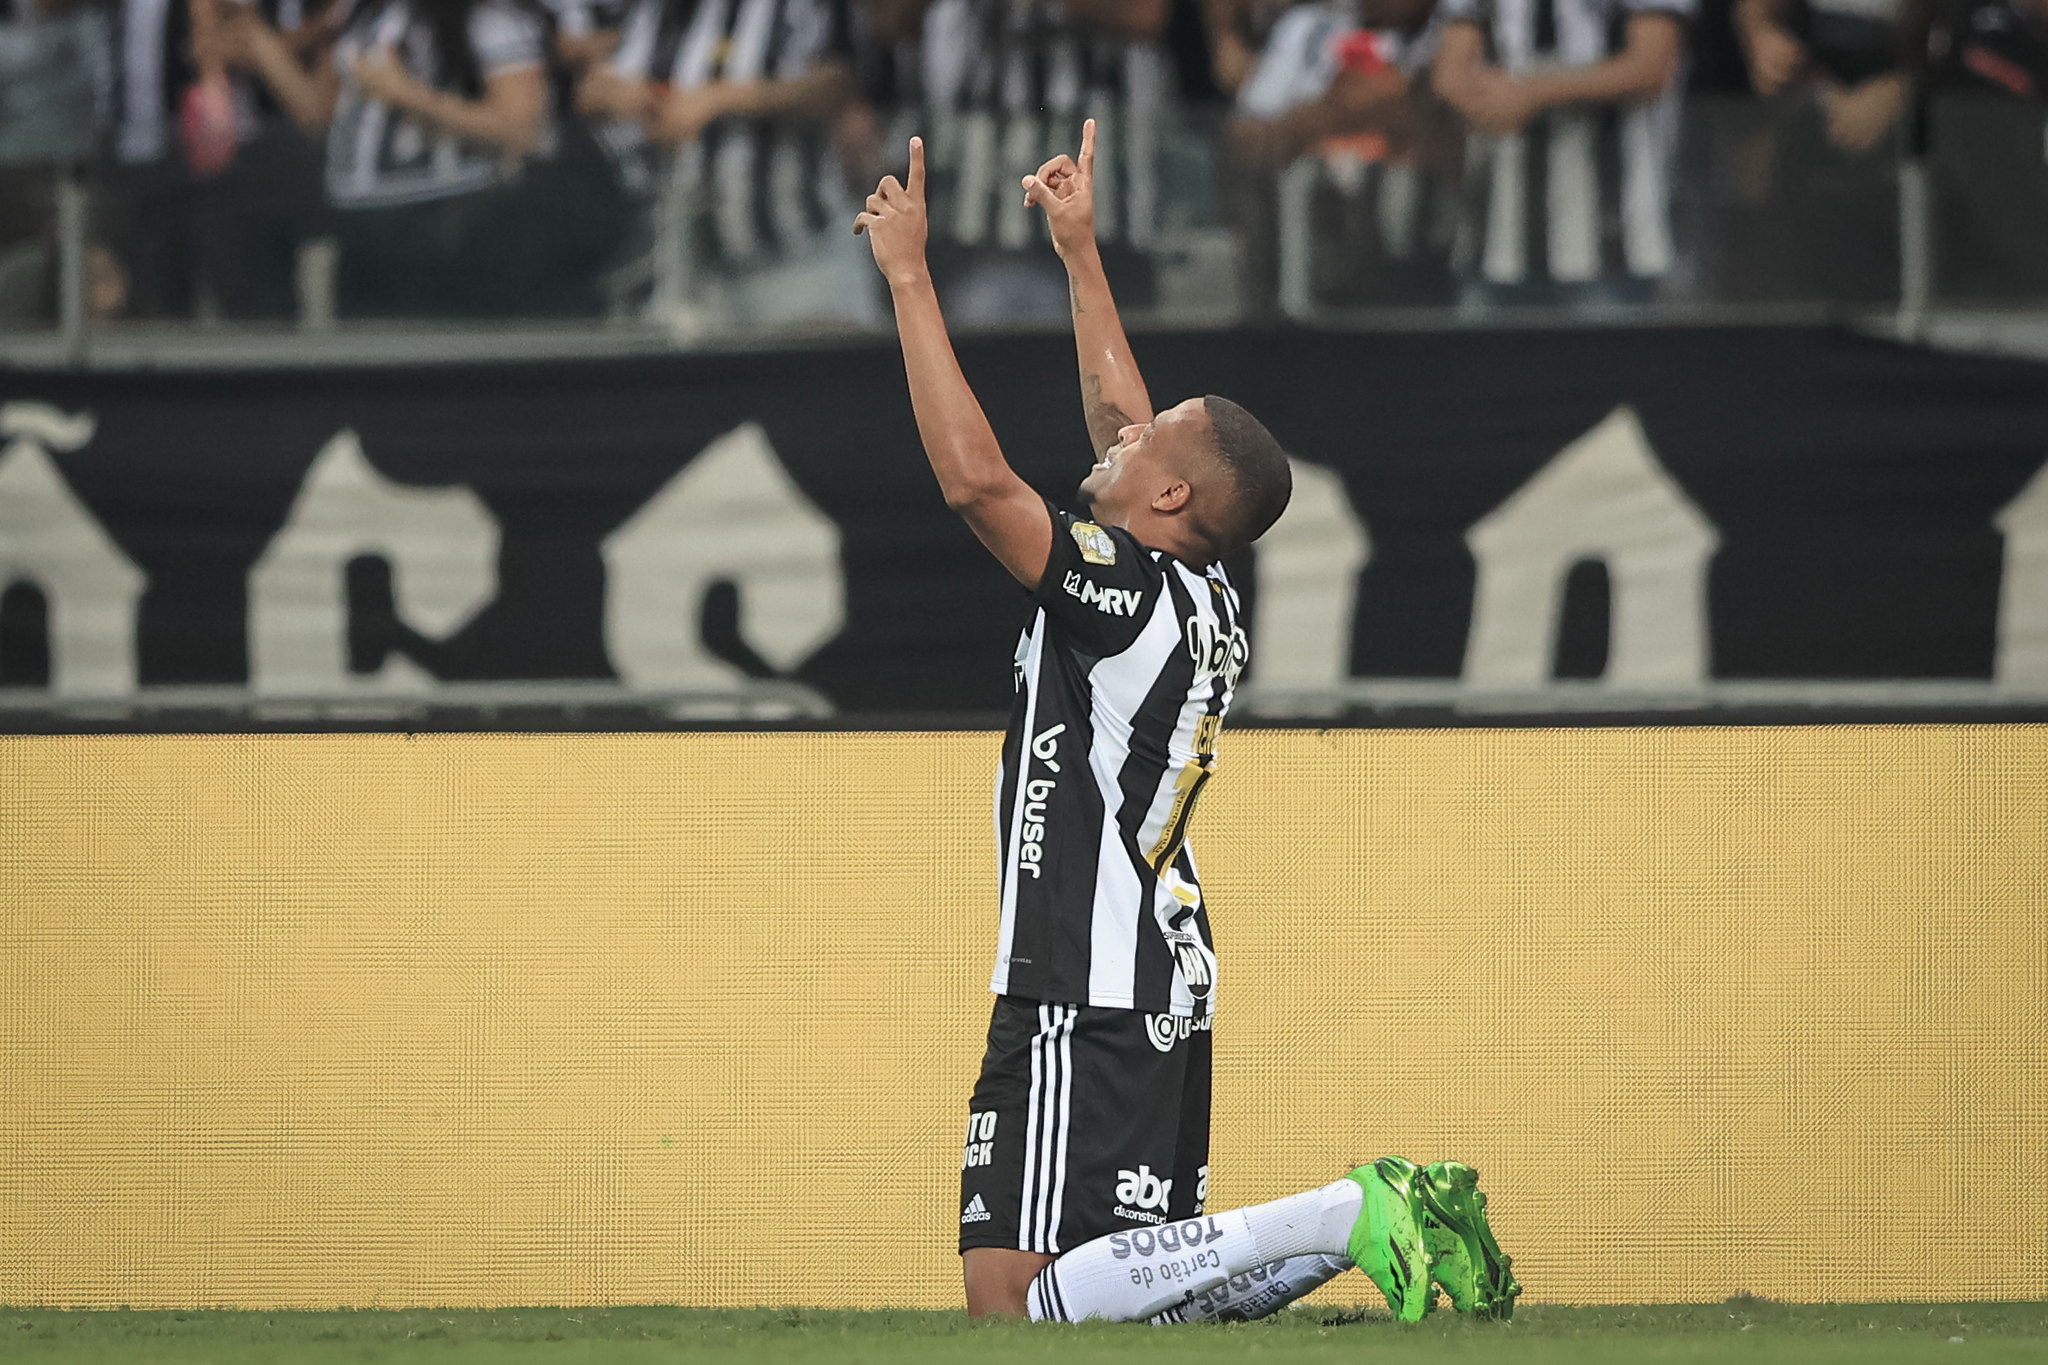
x: 1135, y: 1275
x: 1262, y: 1292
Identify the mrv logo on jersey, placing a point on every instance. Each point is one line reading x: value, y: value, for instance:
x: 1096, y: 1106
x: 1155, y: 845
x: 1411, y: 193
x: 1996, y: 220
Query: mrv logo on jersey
x: 1109, y: 601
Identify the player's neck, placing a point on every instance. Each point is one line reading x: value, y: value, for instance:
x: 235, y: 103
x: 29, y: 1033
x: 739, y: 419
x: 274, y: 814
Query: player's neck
x: 1167, y: 534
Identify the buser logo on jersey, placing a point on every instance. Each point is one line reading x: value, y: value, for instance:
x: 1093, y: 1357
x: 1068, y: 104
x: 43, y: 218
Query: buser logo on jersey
x: 1108, y: 601
x: 1031, y: 845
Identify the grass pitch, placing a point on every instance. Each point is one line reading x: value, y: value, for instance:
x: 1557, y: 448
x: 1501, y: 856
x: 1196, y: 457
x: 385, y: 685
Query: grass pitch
x: 1752, y: 1332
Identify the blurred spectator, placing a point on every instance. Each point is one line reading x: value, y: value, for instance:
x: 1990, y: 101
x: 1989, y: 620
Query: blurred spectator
x: 1238, y: 30
x: 745, y: 97
x: 444, y: 167
x: 1536, y: 78
x: 1987, y: 75
x: 215, y: 186
x: 1191, y: 55
x: 1715, y: 62
x: 56, y: 76
x: 1808, y: 192
x: 1345, y: 81
x: 998, y: 86
x: 1330, y: 70
x: 586, y: 31
x: 1988, y: 46
x: 1848, y: 50
x: 887, y: 35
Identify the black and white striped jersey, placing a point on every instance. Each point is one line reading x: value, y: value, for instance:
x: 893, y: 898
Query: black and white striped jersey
x: 1123, y: 680
x: 997, y: 87
x: 1551, y: 188
x: 378, y: 156
x: 766, y: 189
x: 156, y: 66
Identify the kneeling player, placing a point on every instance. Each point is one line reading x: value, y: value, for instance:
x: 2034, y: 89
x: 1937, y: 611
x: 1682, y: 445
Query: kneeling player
x: 1085, y: 1175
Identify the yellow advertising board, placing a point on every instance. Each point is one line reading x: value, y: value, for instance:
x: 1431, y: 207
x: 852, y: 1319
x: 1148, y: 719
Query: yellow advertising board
x: 519, y: 1019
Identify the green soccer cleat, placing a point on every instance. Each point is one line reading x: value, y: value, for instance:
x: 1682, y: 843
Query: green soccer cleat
x: 1386, y: 1241
x: 1464, y: 1258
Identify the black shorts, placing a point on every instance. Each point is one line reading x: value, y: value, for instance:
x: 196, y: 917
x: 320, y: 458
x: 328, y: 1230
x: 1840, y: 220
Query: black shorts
x: 1085, y: 1122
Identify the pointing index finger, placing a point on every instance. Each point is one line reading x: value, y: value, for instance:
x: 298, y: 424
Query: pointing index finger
x: 1088, y: 148
x: 917, y: 169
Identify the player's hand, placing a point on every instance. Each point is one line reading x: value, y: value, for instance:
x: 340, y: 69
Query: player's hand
x: 895, y: 222
x: 1065, y: 189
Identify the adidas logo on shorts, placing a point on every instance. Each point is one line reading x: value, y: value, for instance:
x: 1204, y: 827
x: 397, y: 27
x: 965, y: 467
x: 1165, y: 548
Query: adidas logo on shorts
x: 975, y: 1212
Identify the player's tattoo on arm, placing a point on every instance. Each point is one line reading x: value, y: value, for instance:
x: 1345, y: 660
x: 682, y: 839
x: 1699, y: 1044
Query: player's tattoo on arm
x: 1105, y: 419
x: 1074, y: 294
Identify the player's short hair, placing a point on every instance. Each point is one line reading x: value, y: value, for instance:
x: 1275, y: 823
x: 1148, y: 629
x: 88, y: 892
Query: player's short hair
x: 1262, y: 478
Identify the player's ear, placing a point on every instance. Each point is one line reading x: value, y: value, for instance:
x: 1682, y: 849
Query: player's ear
x: 1173, y: 498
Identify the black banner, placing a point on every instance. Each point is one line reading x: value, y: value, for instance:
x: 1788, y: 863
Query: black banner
x: 1677, y: 521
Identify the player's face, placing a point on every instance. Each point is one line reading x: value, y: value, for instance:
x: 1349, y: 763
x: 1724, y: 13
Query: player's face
x: 1145, y: 461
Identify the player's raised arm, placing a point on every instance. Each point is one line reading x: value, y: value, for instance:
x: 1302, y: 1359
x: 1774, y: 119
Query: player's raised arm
x: 978, y: 483
x: 1112, y: 391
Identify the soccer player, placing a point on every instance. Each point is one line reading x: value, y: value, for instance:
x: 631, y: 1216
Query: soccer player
x: 1085, y: 1172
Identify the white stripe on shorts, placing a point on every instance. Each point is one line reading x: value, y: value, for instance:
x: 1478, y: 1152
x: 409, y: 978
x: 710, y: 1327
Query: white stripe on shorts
x: 1048, y: 1117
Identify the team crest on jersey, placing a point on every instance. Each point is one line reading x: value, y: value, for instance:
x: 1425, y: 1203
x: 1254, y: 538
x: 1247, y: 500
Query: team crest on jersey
x: 1097, y: 546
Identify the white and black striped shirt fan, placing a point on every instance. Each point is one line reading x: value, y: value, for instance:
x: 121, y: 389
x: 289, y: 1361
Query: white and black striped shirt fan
x: 1547, y: 188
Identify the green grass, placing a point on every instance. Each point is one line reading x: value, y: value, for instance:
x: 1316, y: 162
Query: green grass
x: 1745, y: 1331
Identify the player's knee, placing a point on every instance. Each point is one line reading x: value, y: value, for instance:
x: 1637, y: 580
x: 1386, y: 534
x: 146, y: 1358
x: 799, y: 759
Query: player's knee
x: 997, y: 1279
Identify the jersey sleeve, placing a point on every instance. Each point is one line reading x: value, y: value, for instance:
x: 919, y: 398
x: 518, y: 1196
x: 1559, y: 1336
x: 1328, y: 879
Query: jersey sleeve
x: 573, y: 17
x: 1100, y: 584
x: 634, y: 59
x: 506, y: 38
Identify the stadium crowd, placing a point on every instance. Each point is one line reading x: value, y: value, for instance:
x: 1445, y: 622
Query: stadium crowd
x: 495, y: 158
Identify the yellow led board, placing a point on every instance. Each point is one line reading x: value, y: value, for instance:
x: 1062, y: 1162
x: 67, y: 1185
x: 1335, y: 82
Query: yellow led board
x: 692, y: 1018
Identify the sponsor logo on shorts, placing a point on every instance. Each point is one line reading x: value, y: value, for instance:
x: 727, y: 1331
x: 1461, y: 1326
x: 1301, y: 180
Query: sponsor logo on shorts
x: 980, y: 1149
x: 1139, y: 1193
x: 975, y: 1212
x: 1167, y: 1029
